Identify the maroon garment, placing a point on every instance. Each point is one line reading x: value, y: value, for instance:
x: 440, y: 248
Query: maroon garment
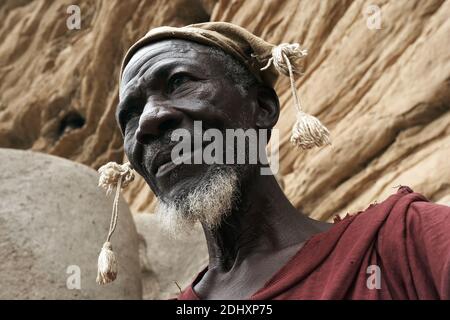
x: 406, y: 236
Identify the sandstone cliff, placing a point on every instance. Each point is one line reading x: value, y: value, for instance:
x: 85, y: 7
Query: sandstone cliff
x: 384, y: 93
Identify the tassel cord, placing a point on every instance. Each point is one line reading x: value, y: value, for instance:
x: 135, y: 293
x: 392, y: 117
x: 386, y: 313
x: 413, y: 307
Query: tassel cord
x: 293, y: 88
x: 115, y: 210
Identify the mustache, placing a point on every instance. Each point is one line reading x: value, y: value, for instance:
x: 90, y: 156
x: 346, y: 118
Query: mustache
x: 154, y: 148
x: 158, y: 151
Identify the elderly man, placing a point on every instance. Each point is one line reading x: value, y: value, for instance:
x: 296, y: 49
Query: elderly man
x: 259, y: 246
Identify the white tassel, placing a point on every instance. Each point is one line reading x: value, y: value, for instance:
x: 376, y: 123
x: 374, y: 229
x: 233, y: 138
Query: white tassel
x: 308, y: 131
x: 112, y: 175
x: 107, y: 265
x: 283, y: 53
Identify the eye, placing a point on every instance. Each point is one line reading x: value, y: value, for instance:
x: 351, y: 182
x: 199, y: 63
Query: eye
x: 178, y: 80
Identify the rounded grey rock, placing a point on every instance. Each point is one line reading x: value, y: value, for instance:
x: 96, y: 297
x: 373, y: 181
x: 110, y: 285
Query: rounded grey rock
x: 53, y: 222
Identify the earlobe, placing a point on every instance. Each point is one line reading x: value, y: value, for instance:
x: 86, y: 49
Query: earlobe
x: 268, y: 108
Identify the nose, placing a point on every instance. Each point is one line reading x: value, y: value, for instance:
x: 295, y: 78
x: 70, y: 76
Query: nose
x: 157, y: 120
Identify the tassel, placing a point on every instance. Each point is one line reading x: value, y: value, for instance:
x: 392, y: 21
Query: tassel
x: 112, y: 175
x: 107, y: 265
x: 308, y: 131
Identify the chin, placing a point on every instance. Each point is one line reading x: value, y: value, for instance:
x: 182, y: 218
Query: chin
x: 206, y: 197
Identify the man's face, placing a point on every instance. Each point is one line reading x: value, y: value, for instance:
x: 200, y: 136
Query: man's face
x: 166, y: 86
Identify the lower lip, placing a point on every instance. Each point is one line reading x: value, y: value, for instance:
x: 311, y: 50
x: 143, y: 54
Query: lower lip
x: 169, y: 166
x: 165, y: 168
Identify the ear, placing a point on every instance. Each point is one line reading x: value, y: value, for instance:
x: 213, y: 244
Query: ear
x: 268, y: 107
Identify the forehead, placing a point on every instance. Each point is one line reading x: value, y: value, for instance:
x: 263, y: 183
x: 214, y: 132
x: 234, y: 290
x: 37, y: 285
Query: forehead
x: 170, y: 50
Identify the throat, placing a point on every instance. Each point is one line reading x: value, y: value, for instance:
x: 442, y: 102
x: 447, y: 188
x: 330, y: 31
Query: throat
x: 254, y: 241
x: 245, y: 278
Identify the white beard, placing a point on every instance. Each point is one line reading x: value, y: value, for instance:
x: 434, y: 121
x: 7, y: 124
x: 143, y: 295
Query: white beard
x: 209, y: 203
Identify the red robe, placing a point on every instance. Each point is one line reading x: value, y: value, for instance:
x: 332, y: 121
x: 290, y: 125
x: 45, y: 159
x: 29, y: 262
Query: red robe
x: 397, y: 249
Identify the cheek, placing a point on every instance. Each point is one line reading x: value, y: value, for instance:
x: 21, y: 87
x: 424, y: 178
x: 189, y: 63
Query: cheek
x: 228, y: 104
x: 129, y: 141
x: 238, y: 114
x: 128, y: 148
x: 131, y: 128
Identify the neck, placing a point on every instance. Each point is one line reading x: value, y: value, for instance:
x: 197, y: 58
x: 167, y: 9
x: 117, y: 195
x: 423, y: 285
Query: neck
x: 264, y: 221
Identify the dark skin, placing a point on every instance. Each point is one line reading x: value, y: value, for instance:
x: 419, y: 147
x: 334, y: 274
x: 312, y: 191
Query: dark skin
x: 169, y: 84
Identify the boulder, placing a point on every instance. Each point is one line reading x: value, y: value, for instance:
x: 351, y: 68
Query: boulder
x: 167, y: 262
x: 53, y: 221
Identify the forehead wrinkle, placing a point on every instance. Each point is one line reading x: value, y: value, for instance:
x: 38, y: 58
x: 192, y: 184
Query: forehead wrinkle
x: 153, y: 50
x: 143, y: 58
x: 161, y: 69
x: 127, y: 87
x: 158, y: 68
x: 171, y: 46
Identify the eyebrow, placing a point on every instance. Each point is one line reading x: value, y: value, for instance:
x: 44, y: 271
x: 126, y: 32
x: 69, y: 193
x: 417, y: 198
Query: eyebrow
x: 139, y: 79
x: 155, y: 71
x: 159, y: 70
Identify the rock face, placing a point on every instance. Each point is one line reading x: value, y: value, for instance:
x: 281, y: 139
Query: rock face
x: 168, y: 262
x: 53, y: 222
x: 384, y: 93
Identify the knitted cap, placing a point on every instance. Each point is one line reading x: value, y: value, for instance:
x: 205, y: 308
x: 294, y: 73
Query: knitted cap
x: 240, y: 43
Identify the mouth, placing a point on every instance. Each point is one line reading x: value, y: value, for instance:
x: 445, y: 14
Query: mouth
x: 163, y: 163
x: 165, y: 168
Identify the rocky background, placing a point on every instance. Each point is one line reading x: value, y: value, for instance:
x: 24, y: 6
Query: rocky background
x: 383, y: 92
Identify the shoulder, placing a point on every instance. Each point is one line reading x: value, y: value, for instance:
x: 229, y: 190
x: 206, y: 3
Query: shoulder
x: 409, y: 210
x: 416, y: 231
x: 405, y: 216
x: 389, y: 217
x: 428, y: 215
x: 416, y: 219
x: 428, y: 227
